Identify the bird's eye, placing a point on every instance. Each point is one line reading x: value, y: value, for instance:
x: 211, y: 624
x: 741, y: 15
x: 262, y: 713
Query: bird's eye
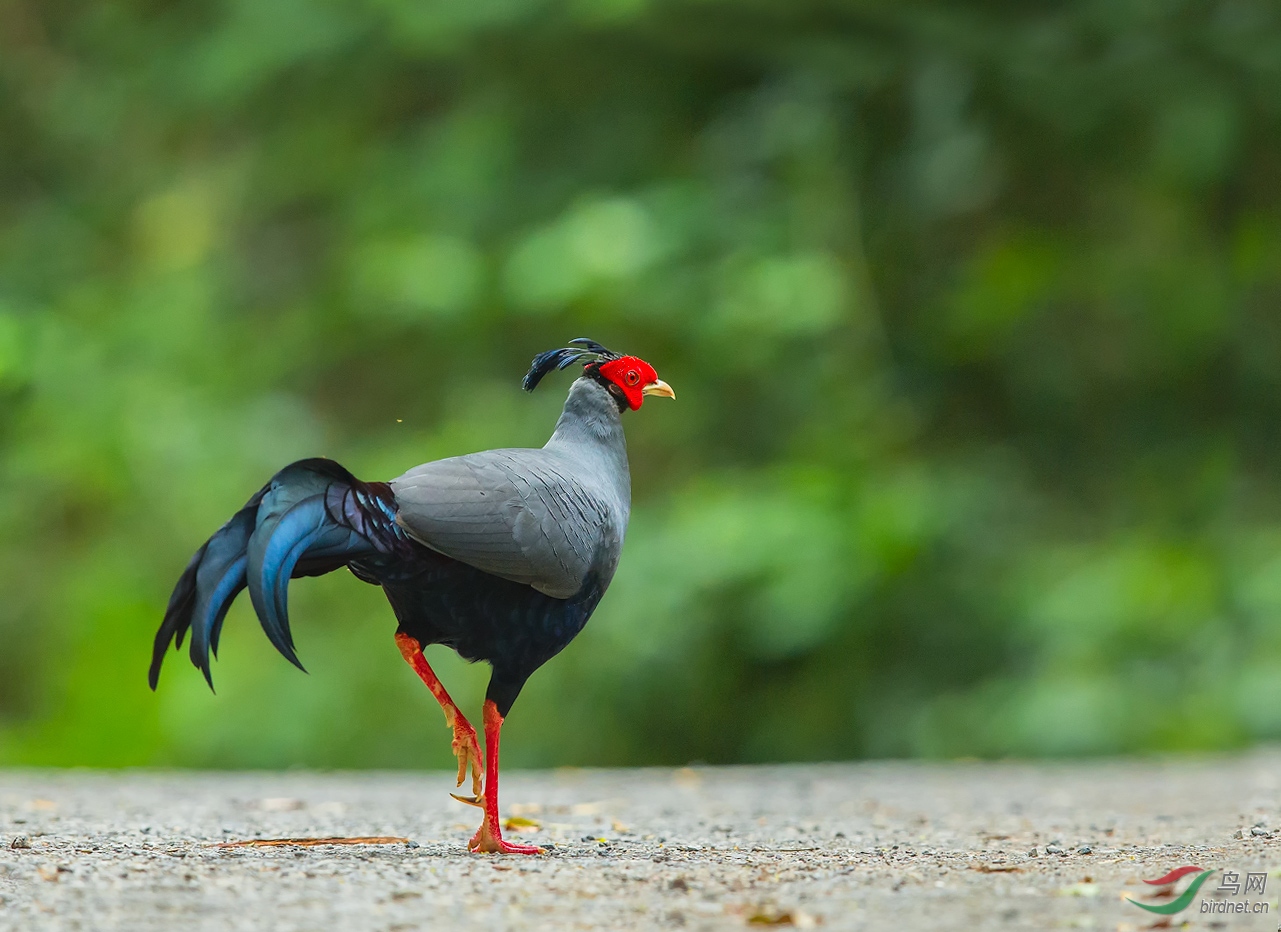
x: 632, y: 377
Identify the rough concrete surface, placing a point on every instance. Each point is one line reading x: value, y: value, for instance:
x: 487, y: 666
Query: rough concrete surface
x: 895, y: 846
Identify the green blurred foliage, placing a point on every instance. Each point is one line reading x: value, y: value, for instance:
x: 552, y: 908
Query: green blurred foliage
x: 971, y: 307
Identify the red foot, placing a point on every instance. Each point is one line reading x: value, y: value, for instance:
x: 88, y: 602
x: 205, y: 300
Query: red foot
x: 489, y: 840
x: 505, y: 847
x: 467, y: 750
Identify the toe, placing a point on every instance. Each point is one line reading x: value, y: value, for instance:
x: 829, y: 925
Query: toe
x: 507, y: 847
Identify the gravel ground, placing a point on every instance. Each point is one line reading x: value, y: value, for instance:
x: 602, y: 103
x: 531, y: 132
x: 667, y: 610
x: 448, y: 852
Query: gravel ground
x: 893, y: 846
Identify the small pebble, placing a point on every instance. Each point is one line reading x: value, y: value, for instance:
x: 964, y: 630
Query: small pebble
x: 1034, y: 852
x: 1258, y: 830
x: 1053, y: 849
x: 20, y: 841
x: 1085, y: 849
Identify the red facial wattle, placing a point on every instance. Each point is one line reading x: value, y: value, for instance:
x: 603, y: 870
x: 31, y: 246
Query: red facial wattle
x: 631, y: 375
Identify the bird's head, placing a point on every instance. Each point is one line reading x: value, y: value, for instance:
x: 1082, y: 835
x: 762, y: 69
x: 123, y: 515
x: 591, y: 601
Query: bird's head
x: 627, y: 378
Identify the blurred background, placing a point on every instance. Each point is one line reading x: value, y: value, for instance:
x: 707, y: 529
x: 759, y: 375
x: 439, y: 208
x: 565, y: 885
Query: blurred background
x: 971, y: 309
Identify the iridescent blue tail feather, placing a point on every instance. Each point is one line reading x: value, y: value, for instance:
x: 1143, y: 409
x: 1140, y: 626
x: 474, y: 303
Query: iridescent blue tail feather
x: 311, y: 518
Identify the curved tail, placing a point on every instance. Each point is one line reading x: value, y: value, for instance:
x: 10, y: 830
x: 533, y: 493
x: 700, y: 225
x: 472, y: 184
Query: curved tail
x: 311, y: 518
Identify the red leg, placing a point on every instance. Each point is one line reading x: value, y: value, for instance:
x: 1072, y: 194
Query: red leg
x: 466, y: 747
x: 489, y: 837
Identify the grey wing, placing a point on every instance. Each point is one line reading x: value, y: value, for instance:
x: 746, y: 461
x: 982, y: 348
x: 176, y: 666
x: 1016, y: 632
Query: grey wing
x: 517, y: 514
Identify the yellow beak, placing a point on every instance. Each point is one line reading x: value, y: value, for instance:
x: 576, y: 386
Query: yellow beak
x: 659, y: 387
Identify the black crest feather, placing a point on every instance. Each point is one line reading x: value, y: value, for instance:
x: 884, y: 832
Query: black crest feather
x: 579, y: 350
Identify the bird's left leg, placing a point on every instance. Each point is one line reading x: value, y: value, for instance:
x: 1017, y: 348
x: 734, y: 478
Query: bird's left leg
x: 466, y: 747
x: 489, y: 837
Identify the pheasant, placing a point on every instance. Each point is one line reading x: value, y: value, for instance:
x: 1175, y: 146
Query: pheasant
x: 501, y: 556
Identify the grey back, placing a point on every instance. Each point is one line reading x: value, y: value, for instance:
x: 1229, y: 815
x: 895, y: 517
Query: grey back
x: 542, y: 517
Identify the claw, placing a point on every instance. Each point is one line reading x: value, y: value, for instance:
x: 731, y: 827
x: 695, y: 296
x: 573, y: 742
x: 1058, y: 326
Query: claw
x: 467, y: 750
x: 470, y: 800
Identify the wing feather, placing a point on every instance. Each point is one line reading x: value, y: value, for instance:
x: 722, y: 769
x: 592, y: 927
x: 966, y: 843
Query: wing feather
x: 520, y: 514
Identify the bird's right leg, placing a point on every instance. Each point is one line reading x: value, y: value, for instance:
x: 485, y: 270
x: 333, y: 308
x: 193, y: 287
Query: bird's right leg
x: 466, y: 747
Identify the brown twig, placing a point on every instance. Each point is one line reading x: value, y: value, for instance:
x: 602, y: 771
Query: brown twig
x: 311, y: 842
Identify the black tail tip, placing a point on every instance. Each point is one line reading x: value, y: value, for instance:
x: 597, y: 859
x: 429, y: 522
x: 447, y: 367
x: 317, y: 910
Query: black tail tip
x: 153, y: 674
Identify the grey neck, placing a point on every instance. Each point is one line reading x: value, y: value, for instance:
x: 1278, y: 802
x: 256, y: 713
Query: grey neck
x: 590, y: 415
x: 589, y: 436
x: 590, y: 433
